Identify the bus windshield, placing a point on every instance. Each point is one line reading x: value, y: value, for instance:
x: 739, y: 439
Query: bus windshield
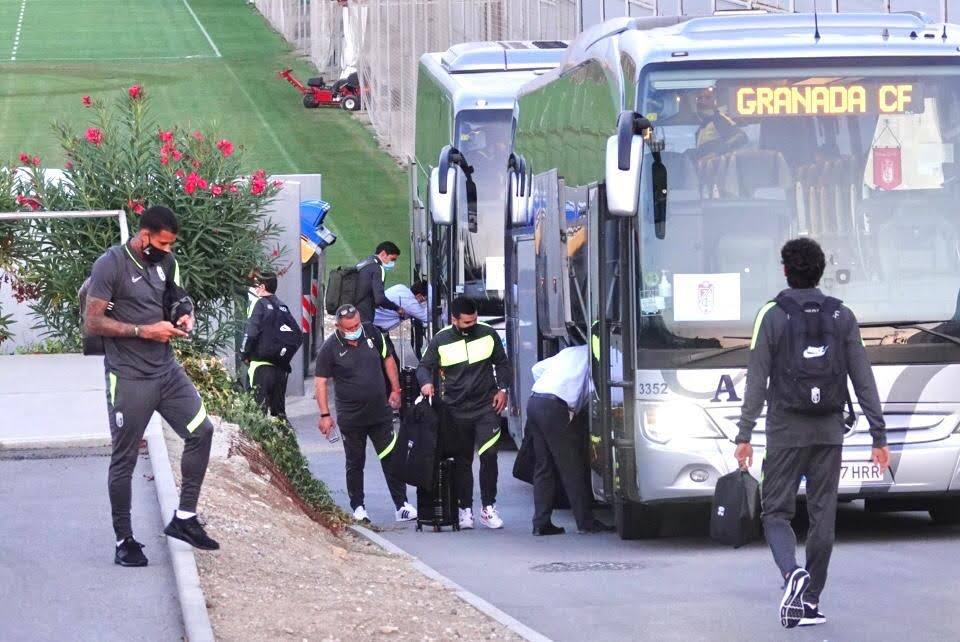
x: 484, y: 137
x: 860, y: 159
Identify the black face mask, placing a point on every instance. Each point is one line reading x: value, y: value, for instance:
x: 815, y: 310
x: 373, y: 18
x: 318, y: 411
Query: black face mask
x: 154, y: 254
x: 467, y: 332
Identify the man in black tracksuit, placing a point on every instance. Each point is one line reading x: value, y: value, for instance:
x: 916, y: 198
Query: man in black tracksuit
x: 471, y: 366
x: 267, y: 380
x: 803, y: 445
x: 355, y: 357
x: 125, y: 306
x: 373, y: 271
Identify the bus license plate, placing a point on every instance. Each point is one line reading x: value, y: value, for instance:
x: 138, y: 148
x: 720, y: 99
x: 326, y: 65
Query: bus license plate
x: 858, y: 472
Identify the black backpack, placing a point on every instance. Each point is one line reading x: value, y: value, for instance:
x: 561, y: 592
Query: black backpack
x: 342, y: 285
x: 735, y: 512
x: 280, y: 334
x: 810, y: 370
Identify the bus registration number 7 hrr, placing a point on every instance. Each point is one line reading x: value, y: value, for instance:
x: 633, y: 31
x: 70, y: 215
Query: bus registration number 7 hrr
x: 859, y: 472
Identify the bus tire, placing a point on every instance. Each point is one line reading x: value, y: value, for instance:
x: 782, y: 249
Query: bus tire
x: 946, y: 512
x: 637, y: 521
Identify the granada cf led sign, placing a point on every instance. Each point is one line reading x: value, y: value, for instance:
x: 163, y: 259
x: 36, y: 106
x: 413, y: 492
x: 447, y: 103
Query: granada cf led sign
x: 827, y: 100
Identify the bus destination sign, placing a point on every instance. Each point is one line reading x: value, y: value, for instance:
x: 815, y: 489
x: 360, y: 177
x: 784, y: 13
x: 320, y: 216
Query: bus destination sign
x: 827, y: 100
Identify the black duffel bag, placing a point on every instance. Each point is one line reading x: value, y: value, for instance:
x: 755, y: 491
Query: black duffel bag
x: 735, y: 513
x: 416, y: 450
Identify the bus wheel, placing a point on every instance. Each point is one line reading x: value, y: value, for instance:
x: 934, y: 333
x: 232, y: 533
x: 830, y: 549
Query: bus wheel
x: 946, y: 512
x: 637, y: 521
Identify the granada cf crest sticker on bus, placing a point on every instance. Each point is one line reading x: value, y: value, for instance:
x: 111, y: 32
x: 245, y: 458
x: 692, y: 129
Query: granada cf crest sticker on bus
x: 705, y: 297
x: 887, y: 167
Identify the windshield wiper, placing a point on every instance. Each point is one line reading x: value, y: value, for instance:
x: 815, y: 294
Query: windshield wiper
x: 703, y: 356
x: 946, y: 337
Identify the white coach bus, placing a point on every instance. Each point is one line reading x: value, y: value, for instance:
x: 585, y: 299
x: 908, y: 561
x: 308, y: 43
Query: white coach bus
x: 466, y: 113
x: 658, y: 171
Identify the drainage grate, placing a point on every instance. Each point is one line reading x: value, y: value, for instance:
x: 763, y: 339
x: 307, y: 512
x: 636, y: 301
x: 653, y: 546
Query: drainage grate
x: 580, y: 567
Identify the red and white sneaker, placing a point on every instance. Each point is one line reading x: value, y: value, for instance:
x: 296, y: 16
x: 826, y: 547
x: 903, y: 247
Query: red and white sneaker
x: 490, y: 518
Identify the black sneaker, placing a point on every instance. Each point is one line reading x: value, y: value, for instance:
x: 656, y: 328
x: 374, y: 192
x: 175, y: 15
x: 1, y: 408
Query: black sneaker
x: 549, y: 529
x: 791, y: 605
x: 129, y: 553
x: 191, y: 532
x: 596, y: 527
x: 812, y: 615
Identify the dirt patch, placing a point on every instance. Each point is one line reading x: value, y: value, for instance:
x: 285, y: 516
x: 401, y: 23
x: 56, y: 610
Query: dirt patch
x: 280, y: 575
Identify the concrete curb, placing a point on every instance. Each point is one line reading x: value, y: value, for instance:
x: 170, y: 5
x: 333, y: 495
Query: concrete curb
x: 472, y: 599
x: 193, y: 604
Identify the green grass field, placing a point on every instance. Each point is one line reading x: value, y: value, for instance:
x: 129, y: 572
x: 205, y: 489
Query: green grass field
x: 202, y: 62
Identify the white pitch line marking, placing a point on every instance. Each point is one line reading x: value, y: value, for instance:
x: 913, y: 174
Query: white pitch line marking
x: 16, y: 38
x: 200, y: 24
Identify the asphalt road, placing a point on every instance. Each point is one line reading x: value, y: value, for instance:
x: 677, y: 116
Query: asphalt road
x: 892, y: 574
x: 57, y: 576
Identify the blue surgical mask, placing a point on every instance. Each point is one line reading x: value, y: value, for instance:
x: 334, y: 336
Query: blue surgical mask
x: 390, y: 265
x: 353, y: 336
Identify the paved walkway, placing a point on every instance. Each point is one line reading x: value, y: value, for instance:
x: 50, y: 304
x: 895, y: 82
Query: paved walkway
x: 893, y: 575
x: 57, y: 576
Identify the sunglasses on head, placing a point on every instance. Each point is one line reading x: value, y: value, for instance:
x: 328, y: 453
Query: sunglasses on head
x: 346, y: 311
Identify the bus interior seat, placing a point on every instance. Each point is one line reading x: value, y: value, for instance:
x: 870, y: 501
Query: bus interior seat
x: 757, y: 174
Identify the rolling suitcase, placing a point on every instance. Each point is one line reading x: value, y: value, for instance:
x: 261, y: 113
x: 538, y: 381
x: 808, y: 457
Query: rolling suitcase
x: 437, y: 506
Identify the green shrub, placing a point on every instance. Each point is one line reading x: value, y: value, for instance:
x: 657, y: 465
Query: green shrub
x: 125, y: 161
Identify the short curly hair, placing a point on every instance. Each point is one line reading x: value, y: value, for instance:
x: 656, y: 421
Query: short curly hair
x: 803, y: 262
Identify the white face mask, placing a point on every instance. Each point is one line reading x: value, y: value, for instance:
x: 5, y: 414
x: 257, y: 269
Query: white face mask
x: 254, y: 291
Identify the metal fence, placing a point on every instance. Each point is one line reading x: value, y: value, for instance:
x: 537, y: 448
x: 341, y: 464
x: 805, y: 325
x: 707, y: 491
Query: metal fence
x: 391, y: 35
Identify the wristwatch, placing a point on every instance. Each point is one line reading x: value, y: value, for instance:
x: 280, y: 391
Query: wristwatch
x: 324, y: 414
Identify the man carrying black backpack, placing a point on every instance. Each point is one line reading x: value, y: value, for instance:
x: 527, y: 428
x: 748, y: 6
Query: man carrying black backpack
x: 271, y: 339
x: 806, y: 345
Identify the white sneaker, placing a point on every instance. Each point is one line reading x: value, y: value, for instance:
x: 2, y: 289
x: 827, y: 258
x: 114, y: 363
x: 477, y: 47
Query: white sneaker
x: 466, y: 518
x: 360, y: 514
x: 490, y: 518
x: 406, y: 513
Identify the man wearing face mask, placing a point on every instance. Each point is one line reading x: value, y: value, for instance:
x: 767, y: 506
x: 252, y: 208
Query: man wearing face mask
x: 267, y: 380
x: 372, y: 272
x: 355, y: 356
x: 143, y: 376
x: 471, y: 366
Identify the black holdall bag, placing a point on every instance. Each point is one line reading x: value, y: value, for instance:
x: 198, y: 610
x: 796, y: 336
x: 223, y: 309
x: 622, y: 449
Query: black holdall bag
x: 810, y: 372
x: 280, y: 337
x: 342, y: 286
x: 735, y: 513
x: 416, y: 451
x: 437, y: 503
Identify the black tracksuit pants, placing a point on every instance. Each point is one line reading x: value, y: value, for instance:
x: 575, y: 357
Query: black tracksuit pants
x: 783, y: 469
x: 384, y: 439
x: 555, y: 449
x: 269, y: 385
x: 130, y: 404
x: 458, y: 439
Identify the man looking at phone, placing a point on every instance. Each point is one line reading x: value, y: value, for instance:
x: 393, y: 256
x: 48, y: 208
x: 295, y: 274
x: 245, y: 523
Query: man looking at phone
x: 125, y: 305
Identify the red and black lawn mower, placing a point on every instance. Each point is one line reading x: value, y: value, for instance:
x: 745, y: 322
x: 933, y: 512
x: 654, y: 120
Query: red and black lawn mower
x: 344, y: 93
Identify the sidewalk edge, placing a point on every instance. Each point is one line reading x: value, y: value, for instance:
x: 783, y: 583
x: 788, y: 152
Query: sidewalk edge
x: 470, y: 598
x: 193, y: 604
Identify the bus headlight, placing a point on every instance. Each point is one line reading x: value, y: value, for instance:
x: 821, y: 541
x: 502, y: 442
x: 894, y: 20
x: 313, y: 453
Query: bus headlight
x: 671, y: 420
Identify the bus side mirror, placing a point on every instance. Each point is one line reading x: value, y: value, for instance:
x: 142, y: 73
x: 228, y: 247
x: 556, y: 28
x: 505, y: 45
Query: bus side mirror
x: 443, y: 196
x: 519, y: 190
x: 624, y: 152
